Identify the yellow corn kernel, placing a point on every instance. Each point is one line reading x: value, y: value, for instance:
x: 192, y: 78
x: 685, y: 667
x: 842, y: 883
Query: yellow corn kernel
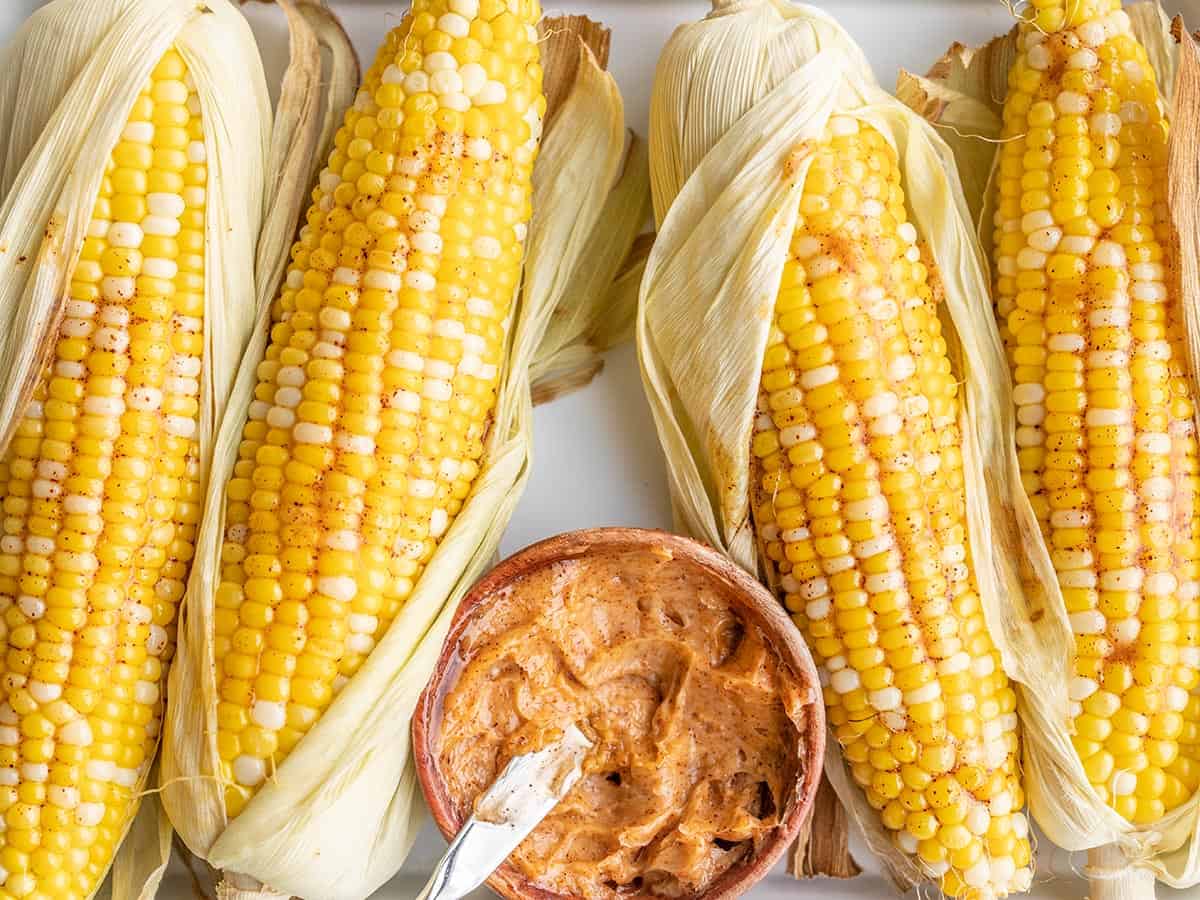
x: 1097, y: 453
x: 354, y: 463
x: 860, y: 502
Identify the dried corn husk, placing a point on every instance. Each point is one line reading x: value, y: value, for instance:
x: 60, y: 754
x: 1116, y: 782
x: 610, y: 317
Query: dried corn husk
x: 730, y: 151
x: 341, y: 812
x: 963, y: 94
x: 599, y: 304
x: 69, y: 78
x: 595, y: 310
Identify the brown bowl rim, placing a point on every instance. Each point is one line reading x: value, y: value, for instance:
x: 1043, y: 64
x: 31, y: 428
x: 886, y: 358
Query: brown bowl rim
x: 762, y: 608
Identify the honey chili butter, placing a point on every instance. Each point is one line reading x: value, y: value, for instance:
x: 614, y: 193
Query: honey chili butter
x: 696, y: 693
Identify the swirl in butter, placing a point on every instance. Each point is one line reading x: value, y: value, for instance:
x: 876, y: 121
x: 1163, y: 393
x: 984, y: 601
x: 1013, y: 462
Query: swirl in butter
x: 697, y: 723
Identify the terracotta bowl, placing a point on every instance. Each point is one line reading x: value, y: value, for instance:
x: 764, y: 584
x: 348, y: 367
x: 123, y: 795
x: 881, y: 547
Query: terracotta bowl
x: 755, y: 603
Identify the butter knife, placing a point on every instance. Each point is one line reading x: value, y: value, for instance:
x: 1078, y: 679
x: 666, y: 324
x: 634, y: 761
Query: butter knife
x: 526, y: 791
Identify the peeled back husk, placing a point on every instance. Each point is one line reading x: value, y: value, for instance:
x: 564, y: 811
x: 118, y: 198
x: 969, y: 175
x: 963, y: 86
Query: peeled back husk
x: 963, y: 96
x: 70, y: 77
x: 339, y: 815
x: 727, y: 184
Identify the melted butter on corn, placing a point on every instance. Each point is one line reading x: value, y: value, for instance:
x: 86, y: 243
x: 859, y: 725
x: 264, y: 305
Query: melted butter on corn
x: 1107, y: 443
x: 861, y: 511
x: 369, y: 419
x: 100, y: 504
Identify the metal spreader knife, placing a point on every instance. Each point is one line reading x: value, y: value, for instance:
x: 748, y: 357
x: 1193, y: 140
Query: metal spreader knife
x: 526, y: 791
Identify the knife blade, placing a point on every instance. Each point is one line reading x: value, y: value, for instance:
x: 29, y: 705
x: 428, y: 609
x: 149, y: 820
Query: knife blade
x: 530, y: 786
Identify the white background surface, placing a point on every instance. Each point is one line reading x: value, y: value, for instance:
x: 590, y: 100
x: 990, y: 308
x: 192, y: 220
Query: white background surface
x: 597, y: 457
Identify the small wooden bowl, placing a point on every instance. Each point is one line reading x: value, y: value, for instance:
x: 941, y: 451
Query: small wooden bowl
x: 755, y: 603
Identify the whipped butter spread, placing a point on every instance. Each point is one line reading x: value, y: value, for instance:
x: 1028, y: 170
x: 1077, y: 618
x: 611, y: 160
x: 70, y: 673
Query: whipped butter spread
x: 697, y: 724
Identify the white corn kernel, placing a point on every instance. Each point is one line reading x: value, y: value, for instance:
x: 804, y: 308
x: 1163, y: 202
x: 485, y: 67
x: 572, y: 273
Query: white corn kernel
x: 474, y: 79
x: 249, y: 770
x: 818, y: 609
x: 447, y: 81
x: 983, y: 666
x: 343, y: 540
x: 866, y: 510
x: 821, y: 375
x: 1071, y: 103
x: 1080, y: 578
x: 1081, y: 688
x: 265, y: 714
x: 1123, y: 783
x: 885, y: 699
x: 63, y: 797
x: 924, y: 694
x: 146, y: 693
x: 281, y: 417
x: 439, y: 60
x: 360, y: 643
x: 1175, y: 697
x: 1065, y: 343
x: 1125, y: 631
x: 340, y: 587
x: 1077, y: 244
x: 1039, y: 57
x: 845, y: 680
x: 796, y: 434
x: 1129, y: 579
x: 77, y: 733
x: 959, y: 662
x: 491, y: 94
x: 1161, y: 584
x: 1037, y: 220
x: 89, y: 815
x: 36, y: 772
x: 422, y: 488
x: 156, y: 641
x: 1044, y: 240
x: 312, y: 433
x: 978, y: 875
x: 1031, y: 415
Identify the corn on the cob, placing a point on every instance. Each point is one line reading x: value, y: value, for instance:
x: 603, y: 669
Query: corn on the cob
x: 1107, y: 443
x: 374, y: 399
x: 860, y: 508
x: 100, y: 503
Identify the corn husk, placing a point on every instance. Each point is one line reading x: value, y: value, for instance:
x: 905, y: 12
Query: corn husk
x: 595, y: 310
x: 339, y: 815
x: 963, y: 95
x: 600, y: 302
x: 730, y: 148
x: 69, y: 78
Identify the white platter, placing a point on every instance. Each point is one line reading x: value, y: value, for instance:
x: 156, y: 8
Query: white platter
x: 597, y: 457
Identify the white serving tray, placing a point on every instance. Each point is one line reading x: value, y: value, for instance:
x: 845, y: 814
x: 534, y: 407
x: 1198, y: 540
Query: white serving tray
x: 597, y: 460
